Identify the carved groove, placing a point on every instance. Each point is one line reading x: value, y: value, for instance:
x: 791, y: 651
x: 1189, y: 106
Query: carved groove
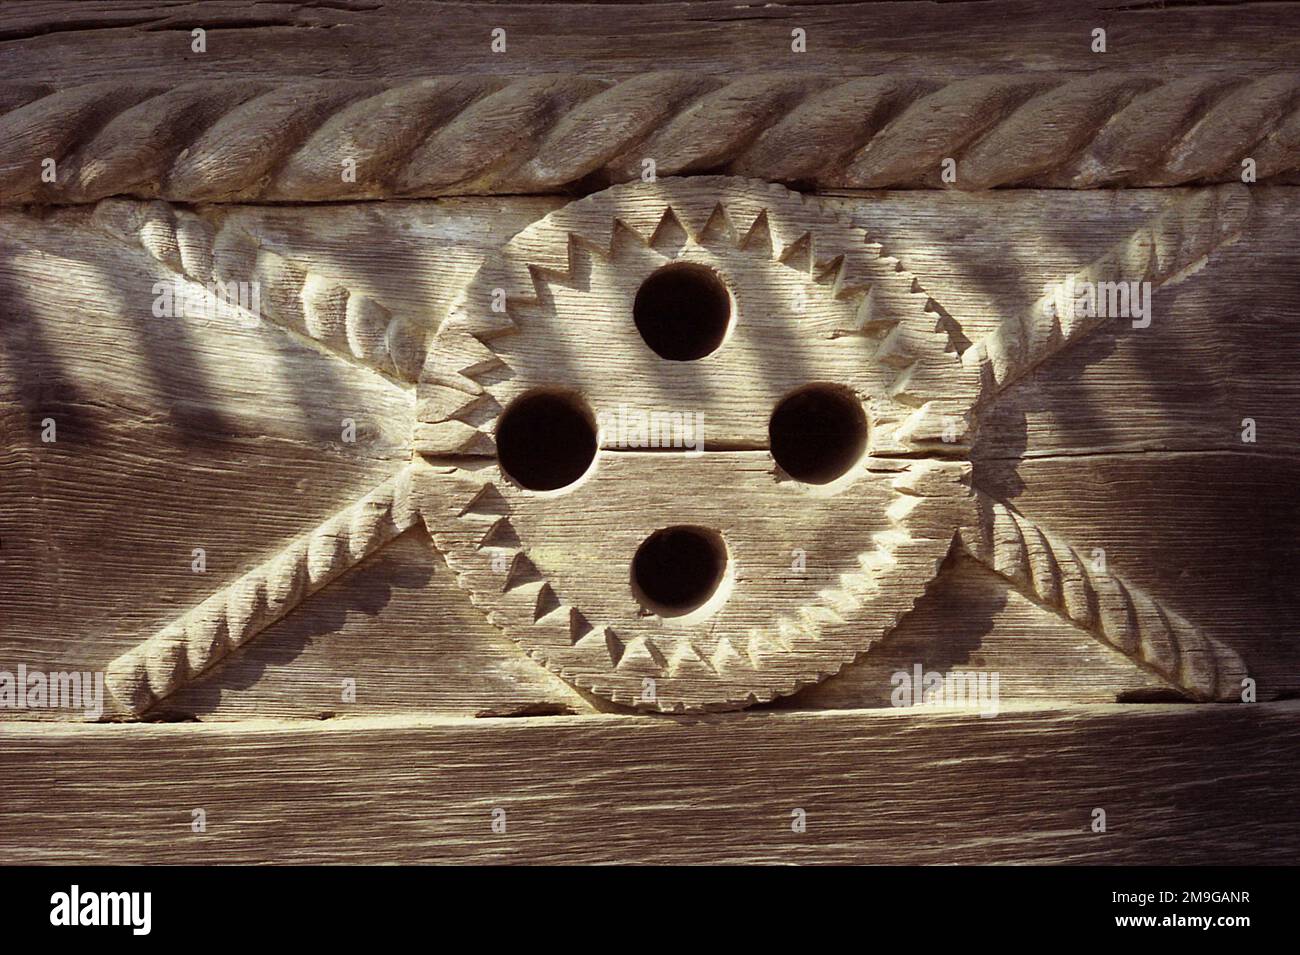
x: 226, y: 140
x: 1053, y: 573
x: 234, y: 615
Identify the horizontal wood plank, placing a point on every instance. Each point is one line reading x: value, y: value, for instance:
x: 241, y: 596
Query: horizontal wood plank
x: 180, y: 432
x: 84, y: 41
x: 1178, y: 784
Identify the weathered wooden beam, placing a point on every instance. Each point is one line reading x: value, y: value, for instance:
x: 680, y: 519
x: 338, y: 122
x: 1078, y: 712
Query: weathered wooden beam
x: 1104, y: 445
x: 87, y: 40
x: 1177, y: 784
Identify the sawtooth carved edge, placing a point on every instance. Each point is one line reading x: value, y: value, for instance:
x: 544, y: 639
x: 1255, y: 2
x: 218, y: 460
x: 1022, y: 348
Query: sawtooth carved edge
x: 1165, y: 250
x: 1053, y: 574
x: 201, y: 248
x: 230, y: 618
x: 879, y: 317
x: 212, y: 253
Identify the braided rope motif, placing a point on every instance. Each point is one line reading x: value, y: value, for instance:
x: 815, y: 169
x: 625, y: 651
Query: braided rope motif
x: 233, y: 616
x: 351, y: 325
x: 1173, y: 245
x: 237, y: 140
x: 1053, y: 573
x: 1176, y: 243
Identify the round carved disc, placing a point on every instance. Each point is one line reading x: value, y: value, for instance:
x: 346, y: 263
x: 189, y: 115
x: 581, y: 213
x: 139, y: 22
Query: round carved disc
x: 683, y: 567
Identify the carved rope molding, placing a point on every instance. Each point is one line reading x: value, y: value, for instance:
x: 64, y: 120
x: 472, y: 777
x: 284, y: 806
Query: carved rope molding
x: 1053, y: 574
x: 1172, y: 246
x: 347, y: 323
x: 294, y: 140
x: 230, y: 618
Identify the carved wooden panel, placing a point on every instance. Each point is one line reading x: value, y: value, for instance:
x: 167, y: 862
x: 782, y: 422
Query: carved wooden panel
x: 611, y: 398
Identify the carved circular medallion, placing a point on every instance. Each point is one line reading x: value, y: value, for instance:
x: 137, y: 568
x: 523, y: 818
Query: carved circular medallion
x: 704, y: 441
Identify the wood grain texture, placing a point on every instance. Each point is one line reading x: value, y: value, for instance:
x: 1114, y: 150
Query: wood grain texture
x: 1084, y: 590
x: 1179, y: 784
x: 969, y: 619
x: 402, y: 630
x: 1109, y: 444
x: 1115, y: 538
x: 1215, y: 539
x: 66, y: 41
x: 165, y: 419
x: 205, y: 635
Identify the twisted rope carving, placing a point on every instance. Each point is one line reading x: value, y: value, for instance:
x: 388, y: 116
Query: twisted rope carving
x: 234, y: 140
x: 231, y: 617
x: 1162, y: 251
x: 1052, y: 573
x: 351, y: 325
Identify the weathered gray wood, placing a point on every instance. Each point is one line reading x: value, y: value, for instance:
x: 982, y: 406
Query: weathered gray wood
x: 402, y: 631
x: 330, y: 560
x: 1207, y: 528
x: 969, y: 619
x: 103, y: 40
x: 1178, y: 784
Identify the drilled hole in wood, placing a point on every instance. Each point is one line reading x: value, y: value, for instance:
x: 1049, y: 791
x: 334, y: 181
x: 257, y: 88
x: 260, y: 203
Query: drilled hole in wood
x: 546, y: 440
x: 682, y: 312
x: 678, y: 569
x: 818, y: 433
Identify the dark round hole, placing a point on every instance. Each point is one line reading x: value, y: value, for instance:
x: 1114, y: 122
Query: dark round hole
x: 682, y: 312
x: 545, y: 441
x: 818, y: 433
x: 677, y: 569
